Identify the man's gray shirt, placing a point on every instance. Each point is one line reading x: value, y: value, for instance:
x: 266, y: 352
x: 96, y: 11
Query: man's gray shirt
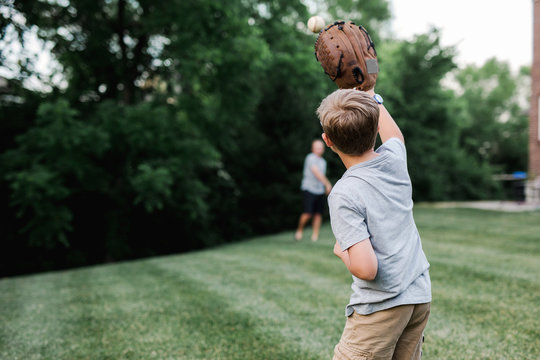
x: 309, y: 181
x: 373, y: 200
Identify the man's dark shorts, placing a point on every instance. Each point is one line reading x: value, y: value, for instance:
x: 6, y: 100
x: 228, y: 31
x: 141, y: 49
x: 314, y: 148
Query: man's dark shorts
x: 313, y: 203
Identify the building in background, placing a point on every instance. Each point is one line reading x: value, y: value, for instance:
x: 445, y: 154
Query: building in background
x: 533, y: 185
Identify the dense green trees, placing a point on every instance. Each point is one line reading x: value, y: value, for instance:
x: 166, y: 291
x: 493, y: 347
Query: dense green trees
x: 495, y: 130
x: 184, y: 124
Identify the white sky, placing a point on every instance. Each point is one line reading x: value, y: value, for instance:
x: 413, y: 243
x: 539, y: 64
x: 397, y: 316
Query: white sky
x: 481, y: 29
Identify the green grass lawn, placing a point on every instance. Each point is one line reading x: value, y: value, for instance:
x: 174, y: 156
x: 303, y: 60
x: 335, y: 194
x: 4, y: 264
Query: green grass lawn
x: 273, y: 298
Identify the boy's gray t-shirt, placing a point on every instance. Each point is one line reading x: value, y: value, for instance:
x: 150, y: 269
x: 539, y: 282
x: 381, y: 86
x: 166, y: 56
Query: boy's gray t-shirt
x: 309, y: 181
x: 373, y: 200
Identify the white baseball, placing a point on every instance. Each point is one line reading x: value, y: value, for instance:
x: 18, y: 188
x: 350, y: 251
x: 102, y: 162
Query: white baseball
x: 315, y: 24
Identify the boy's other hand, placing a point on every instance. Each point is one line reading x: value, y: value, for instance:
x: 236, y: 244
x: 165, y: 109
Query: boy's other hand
x: 343, y: 255
x: 328, y: 188
x: 337, y: 250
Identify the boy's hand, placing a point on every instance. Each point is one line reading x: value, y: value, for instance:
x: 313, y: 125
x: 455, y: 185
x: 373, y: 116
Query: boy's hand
x: 337, y: 250
x: 360, y: 259
x: 343, y: 255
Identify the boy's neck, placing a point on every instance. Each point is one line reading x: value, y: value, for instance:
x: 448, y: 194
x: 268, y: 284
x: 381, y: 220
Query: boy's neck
x: 351, y: 160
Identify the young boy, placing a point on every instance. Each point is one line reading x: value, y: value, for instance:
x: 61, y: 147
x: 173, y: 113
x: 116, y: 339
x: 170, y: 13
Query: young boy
x: 372, y: 219
x: 314, y: 185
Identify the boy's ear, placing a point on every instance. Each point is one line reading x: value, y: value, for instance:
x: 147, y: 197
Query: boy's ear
x: 327, y: 140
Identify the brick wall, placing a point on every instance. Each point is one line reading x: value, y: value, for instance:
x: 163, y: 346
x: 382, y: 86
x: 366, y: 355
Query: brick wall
x: 532, y: 190
x: 534, y: 142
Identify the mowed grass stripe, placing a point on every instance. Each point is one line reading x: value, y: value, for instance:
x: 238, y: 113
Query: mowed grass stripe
x: 486, y: 291
x: 34, y: 317
x: 467, y: 321
x: 494, y: 261
x: 210, y: 328
x: 123, y: 315
x: 510, y: 232
x: 283, y: 298
x: 273, y: 298
x: 135, y: 311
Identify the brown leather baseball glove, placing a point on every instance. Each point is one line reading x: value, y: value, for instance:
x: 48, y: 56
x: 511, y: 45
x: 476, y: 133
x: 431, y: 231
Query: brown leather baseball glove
x: 347, y: 55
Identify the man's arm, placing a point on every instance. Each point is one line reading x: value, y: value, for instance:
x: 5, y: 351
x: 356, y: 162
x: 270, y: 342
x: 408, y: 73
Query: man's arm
x: 387, y: 126
x: 360, y: 259
x: 319, y: 175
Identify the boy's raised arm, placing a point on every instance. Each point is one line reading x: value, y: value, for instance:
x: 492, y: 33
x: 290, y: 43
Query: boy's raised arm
x: 387, y: 126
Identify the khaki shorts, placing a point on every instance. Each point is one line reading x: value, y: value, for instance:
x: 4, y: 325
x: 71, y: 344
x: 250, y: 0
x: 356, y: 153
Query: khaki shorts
x: 395, y: 333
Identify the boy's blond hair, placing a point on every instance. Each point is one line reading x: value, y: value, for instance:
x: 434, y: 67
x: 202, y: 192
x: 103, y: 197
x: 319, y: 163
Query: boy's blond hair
x: 350, y: 118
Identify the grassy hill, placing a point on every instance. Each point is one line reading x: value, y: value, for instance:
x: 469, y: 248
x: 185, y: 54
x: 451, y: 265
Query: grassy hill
x: 273, y: 298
